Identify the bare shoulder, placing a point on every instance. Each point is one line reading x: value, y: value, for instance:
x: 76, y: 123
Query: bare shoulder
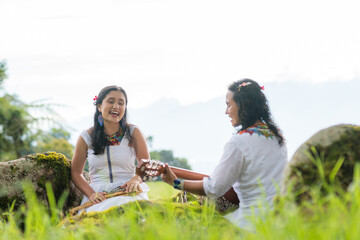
x: 81, y: 144
x: 136, y: 132
x: 89, y: 131
x: 131, y: 125
x: 133, y: 128
x: 139, y: 143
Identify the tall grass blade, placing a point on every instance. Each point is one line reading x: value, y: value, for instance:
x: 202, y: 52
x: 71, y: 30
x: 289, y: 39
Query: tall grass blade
x: 336, y: 169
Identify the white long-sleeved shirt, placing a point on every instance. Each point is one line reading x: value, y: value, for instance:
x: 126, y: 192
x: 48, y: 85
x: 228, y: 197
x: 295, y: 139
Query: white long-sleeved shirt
x: 252, y: 163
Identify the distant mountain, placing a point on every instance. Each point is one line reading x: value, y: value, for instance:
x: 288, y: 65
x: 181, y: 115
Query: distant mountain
x: 199, y: 131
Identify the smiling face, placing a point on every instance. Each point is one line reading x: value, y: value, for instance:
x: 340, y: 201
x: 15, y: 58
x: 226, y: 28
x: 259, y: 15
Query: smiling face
x: 113, y: 107
x: 232, y: 109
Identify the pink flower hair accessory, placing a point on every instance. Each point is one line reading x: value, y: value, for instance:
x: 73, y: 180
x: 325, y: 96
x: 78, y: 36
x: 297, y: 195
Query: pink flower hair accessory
x: 243, y: 85
x: 95, y: 98
x: 262, y: 88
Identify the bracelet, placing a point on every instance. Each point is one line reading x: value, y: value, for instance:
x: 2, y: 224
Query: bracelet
x: 179, y: 184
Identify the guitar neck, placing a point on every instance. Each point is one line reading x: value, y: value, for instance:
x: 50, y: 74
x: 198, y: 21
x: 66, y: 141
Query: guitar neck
x: 187, y: 174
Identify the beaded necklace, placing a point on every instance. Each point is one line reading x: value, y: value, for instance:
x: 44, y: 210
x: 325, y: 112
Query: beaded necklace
x: 116, y: 138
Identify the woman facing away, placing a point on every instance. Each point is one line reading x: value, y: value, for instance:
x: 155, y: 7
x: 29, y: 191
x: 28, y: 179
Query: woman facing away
x: 111, y: 146
x: 253, y: 159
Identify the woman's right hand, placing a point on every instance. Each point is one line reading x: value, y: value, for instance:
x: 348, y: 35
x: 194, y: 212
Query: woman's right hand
x: 168, y: 176
x: 97, y: 197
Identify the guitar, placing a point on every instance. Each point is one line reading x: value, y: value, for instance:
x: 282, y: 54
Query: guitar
x: 151, y: 168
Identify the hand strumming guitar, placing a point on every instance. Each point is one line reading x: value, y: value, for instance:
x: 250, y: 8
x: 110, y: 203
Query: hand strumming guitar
x: 168, y: 176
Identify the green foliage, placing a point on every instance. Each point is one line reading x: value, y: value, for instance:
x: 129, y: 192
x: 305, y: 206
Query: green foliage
x: 3, y: 74
x: 167, y: 156
x: 332, y: 217
x: 20, y: 131
x: 56, y: 145
x: 59, y: 133
x: 14, y: 125
x: 55, y: 140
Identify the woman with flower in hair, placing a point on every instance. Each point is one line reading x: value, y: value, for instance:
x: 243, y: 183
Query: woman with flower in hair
x: 253, y: 159
x: 111, y: 146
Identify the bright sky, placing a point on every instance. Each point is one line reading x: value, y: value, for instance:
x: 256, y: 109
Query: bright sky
x: 67, y: 50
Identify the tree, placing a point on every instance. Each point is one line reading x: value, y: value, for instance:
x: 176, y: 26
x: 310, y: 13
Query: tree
x: 14, y: 121
x: 3, y: 69
x: 56, y: 145
x: 59, y: 133
x: 55, y: 140
x: 167, y: 156
x: 20, y: 133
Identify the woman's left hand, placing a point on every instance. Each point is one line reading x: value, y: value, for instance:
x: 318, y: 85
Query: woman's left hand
x: 133, y: 185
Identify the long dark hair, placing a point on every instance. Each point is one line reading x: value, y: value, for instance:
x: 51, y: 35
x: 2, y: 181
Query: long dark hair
x: 253, y: 106
x: 98, y: 137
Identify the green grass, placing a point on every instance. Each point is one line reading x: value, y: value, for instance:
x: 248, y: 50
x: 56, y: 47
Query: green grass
x: 331, y: 217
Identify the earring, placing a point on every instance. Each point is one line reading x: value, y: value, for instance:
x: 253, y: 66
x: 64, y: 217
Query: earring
x: 100, y: 120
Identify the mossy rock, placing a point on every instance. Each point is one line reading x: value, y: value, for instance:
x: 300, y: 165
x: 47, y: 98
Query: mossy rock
x: 36, y: 169
x: 326, y: 148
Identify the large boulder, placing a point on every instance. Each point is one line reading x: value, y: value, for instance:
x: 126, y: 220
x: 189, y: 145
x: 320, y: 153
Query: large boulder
x: 331, y: 146
x: 37, y: 169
